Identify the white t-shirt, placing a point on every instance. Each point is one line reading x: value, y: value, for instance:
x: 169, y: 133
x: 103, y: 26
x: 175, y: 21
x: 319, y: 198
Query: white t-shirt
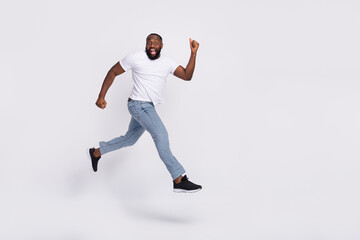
x: 149, y: 75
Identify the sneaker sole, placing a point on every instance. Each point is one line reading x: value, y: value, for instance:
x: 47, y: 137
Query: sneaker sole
x: 89, y: 157
x: 186, y: 191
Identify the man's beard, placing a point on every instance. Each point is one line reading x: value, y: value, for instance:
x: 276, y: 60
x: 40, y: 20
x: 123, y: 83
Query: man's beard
x: 156, y: 56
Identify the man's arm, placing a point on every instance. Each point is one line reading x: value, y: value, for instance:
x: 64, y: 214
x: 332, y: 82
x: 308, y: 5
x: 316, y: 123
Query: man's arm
x: 109, y: 79
x: 186, y: 73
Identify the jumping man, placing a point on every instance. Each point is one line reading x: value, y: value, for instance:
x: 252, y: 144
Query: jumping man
x: 149, y: 72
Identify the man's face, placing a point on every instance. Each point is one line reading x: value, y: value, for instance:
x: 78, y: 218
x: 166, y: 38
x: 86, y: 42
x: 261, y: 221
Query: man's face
x: 153, y: 47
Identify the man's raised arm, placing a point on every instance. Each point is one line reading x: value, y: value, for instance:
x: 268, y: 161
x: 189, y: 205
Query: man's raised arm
x: 186, y: 73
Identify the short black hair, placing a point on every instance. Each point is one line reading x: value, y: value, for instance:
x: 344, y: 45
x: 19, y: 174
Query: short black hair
x: 154, y: 34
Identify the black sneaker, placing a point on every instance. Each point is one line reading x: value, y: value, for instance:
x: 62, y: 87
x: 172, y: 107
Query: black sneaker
x: 94, y: 160
x: 185, y: 186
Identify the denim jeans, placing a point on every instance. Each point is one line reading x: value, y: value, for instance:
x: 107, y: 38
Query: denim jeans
x: 144, y: 117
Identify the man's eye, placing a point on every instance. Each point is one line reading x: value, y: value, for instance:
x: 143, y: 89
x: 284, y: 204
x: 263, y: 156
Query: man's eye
x: 155, y: 43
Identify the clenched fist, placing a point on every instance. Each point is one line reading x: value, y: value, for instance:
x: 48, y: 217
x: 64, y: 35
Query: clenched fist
x: 194, y: 45
x: 101, y: 103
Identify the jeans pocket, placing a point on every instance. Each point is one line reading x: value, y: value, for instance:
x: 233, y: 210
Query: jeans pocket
x: 146, y: 105
x: 131, y: 108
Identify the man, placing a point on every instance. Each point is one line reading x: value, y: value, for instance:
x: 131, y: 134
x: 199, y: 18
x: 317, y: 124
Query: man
x: 149, y: 72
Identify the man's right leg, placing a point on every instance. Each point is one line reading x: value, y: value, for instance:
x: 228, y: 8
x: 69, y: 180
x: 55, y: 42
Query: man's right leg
x: 130, y: 138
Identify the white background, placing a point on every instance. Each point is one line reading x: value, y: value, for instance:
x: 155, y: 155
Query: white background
x: 269, y: 125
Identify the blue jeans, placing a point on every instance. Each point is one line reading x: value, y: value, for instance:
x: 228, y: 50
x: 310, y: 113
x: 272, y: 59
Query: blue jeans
x: 144, y: 117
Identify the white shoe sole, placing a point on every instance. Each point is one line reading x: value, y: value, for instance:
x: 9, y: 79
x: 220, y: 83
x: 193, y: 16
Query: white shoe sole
x: 176, y: 190
x: 89, y: 157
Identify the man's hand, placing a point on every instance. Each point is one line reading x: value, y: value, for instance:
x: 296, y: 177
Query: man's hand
x: 101, y: 103
x: 194, y: 45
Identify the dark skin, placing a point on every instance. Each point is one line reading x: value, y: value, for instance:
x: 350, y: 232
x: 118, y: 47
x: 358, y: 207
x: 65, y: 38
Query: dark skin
x: 153, y: 45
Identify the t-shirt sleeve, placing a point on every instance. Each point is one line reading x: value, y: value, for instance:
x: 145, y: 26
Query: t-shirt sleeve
x: 173, y: 66
x: 127, y: 63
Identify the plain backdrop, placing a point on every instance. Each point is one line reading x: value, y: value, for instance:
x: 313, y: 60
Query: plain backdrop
x: 269, y: 125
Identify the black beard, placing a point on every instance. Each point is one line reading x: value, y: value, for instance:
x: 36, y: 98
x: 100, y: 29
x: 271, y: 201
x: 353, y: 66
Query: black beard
x: 157, y: 55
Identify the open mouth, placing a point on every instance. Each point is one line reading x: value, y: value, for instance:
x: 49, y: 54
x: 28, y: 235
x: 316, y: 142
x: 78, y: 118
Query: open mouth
x: 152, y: 51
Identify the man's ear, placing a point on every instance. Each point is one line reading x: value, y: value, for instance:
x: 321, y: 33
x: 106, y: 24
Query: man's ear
x: 162, y: 45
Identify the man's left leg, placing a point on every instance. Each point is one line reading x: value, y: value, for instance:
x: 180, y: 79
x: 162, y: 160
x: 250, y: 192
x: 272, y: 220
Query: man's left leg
x: 151, y: 122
